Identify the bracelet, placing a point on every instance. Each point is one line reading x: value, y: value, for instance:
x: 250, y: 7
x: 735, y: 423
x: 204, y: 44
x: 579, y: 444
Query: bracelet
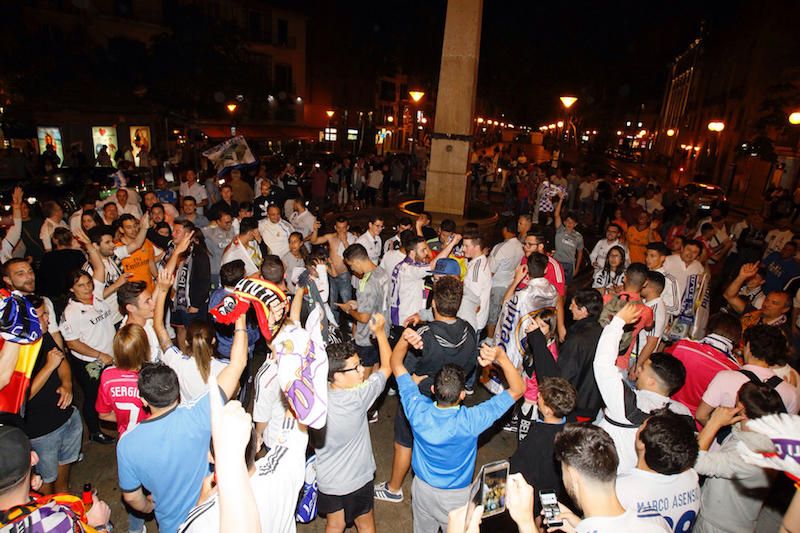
x: 240, y: 329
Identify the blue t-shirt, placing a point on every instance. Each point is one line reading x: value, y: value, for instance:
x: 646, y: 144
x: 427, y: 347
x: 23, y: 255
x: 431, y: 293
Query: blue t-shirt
x: 446, y: 439
x: 166, y: 196
x: 224, y: 332
x: 168, y: 456
x: 779, y: 271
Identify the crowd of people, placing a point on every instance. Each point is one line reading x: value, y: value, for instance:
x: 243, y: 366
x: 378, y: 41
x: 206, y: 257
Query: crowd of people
x: 630, y: 389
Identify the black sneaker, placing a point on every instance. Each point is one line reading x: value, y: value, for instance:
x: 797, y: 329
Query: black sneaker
x: 102, y: 438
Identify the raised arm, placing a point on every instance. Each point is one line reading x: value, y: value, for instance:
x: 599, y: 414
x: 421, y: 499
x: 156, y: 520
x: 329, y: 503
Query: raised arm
x: 409, y: 338
x: 607, y: 376
x: 228, y: 379
x: 445, y: 252
x: 496, y: 355
x: 180, y: 248
x: 96, y: 261
x: 314, y: 237
x: 377, y: 327
x: 557, y: 212
x: 14, y: 232
x: 165, y: 281
x: 138, y: 242
x: 731, y: 293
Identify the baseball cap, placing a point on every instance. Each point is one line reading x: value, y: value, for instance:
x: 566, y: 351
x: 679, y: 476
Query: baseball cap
x: 15, y: 456
x: 447, y: 267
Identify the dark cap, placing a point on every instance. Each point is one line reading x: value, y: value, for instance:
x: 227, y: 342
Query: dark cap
x: 447, y: 267
x: 15, y: 456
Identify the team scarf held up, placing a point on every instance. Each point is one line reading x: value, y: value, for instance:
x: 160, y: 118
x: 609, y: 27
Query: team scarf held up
x: 268, y: 300
x: 19, y: 324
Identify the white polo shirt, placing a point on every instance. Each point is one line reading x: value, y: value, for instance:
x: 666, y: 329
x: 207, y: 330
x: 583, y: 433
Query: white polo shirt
x: 92, y: 324
x: 303, y: 222
x: 372, y: 245
x: 276, y: 235
x: 478, y: 281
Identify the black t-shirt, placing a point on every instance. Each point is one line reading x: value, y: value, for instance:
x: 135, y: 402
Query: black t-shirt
x: 42, y: 414
x: 535, y: 460
x: 291, y: 185
x: 260, y: 204
x: 54, y: 270
x: 443, y: 343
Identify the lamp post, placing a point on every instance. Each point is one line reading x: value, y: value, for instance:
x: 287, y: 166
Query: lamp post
x: 670, y: 151
x: 416, y: 96
x: 232, y: 107
x: 328, y: 133
x: 716, y: 126
x: 567, y: 102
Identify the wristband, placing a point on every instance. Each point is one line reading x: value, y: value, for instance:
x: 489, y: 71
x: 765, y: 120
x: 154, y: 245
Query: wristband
x: 240, y: 329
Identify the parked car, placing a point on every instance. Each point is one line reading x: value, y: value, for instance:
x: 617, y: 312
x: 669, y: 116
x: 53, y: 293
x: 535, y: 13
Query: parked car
x: 703, y: 197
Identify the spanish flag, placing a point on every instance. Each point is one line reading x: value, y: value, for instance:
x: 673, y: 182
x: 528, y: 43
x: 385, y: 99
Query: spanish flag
x: 19, y: 330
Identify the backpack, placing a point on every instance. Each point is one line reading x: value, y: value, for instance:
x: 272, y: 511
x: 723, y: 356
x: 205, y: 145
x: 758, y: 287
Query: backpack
x: 772, y: 383
x: 610, y: 310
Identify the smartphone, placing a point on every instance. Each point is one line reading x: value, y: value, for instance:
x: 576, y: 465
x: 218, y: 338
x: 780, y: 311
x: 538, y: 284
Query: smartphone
x: 550, y: 507
x: 488, y: 489
x: 495, y: 478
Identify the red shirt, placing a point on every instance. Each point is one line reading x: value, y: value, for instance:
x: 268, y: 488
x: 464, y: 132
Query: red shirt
x: 702, y: 362
x: 119, y: 392
x: 554, y: 273
x: 646, y: 320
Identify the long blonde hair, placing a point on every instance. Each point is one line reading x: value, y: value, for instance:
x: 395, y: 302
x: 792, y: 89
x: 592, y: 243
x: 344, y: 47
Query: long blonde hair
x: 200, y: 340
x: 131, y: 347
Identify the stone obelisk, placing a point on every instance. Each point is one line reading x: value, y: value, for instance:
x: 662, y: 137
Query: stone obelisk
x: 446, y: 186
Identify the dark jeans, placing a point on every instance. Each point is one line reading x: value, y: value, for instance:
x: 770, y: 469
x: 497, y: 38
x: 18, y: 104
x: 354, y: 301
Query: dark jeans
x: 89, y: 387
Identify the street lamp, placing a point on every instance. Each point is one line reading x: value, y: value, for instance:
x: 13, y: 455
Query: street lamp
x: 670, y: 132
x: 232, y: 107
x: 568, y: 101
x: 716, y: 126
x: 416, y: 96
x: 330, y: 113
x: 480, y: 120
x: 390, y: 119
x: 794, y: 118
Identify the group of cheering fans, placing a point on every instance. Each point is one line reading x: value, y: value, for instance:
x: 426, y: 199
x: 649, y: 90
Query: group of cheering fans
x: 627, y: 395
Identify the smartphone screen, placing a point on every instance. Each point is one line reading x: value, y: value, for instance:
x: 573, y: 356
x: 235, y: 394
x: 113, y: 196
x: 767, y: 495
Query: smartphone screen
x: 495, y: 477
x: 550, y: 507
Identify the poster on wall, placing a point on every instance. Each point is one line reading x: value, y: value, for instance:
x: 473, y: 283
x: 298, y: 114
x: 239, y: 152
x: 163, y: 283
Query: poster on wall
x: 104, y: 137
x: 50, y: 136
x: 140, y: 142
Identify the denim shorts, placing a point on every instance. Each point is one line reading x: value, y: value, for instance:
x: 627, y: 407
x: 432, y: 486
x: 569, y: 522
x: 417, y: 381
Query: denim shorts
x: 369, y: 355
x: 59, y: 447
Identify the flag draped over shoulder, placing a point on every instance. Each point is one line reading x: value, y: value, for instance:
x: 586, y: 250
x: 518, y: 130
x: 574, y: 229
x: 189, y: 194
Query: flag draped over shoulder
x: 231, y: 153
x: 19, y: 324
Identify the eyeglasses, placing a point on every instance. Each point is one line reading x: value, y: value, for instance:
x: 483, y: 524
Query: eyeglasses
x: 359, y: 366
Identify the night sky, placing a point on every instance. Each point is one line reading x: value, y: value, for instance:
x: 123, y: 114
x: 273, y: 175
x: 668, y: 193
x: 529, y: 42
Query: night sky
x: 613, y: 55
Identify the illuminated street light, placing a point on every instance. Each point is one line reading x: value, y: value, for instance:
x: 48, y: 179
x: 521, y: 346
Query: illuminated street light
x: 794, y: 118
x: 619, y: 132
x: 560, y: 123
x: 330, y: 113
x: 416, y: 95
x: 511, y: 126
x: 480, y: 120
x: 502, y: 124
x: 231, y: 107
x: 670, y: 132
x: 424, y: 120
x: 551, y: 127
x: 716, y: 125
x: 568, y: 101
x: 390, y: 119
